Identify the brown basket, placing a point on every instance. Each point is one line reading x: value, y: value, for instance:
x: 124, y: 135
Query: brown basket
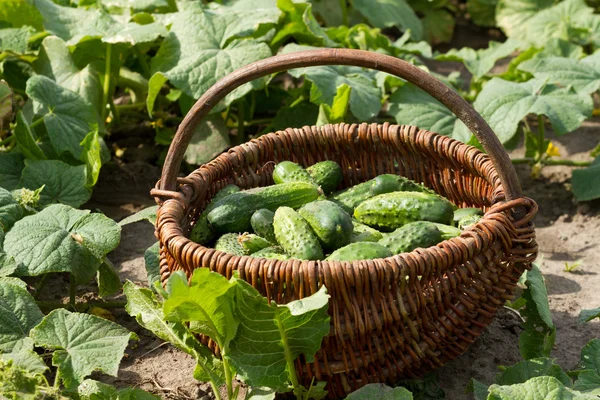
x: 391, y: 318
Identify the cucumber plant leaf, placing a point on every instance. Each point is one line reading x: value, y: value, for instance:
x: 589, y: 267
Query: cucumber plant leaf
x: 152, y: 264
x: 11, y: 165
x: 479, y: 389
x: 6, y: 105
x: 527, y: 369
x: 67, y: 116
x: 64, y: 183
x: 92, y: 156
x: 26, y: 359
x: 381, y: 392
x: 108, y: 279
x: 541, y: 387
x: 147, y: 214
x: 588, y: 381
x: 504, y: 104
x: 482, y: 12
x: 438, y: 26
x: 7, y: 263
x: 82, y: 344
x: 586, y: 182
x: 589, y: 315
x: 209, y: 140
x: 15, y: 39
x: 270, y: 336
x: 62, y: 239
x: 337, y: 112
x: 26, y: 140
x: 412, y: 106
x: 590, y: 356
x: 250, y: 17
x: 197, y: 52
x: 513, y: 16
x: 90, y: 389
x: 21, y: 13
x: 10, y: 210
x: 583, y: 75
x: 389, y: 13
x: 18, y: 315
x: 299, y: 22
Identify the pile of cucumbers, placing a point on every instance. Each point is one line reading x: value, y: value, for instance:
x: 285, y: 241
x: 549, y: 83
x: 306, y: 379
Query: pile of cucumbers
x: 301, y: 217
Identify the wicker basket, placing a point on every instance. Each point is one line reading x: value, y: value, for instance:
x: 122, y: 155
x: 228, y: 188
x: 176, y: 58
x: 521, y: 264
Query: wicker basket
x: 392, y: 318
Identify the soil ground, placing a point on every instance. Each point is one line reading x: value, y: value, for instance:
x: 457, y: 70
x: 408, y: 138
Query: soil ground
x: 566, y: 231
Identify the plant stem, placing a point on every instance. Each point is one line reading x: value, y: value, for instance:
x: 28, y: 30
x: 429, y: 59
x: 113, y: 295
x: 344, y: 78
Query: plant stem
x: 38, y: 289
x: 215, y: 390
x: 143, y: 63
x: 115, y: 111
x: 130, y: 106
x: 289, y: 359
x: 228, y: 377
x: 8, y: 140
x: 106, y: 89
x: 38, y: 36
x: 344, y: 12
x: 36, y: 123
x: 297, y: 101
x: 541, y: 138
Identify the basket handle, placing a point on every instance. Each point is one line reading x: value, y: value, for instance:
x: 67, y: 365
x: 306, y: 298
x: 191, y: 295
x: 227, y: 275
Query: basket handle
x: 392, y: 65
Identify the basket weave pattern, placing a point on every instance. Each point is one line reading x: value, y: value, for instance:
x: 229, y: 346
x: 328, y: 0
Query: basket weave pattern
x: 391, y: 318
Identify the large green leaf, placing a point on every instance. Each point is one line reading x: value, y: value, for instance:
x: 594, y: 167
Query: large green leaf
x: 7, y: 263
x: 583, y: 75
x: 63, y: 183
x: 68, y: 117
x: 18, y: 315
x: 388, y: 13
x: 14, y: 39
x: 250, y: 16
x: 10, y: 210
x: 513, y: 16
x: 197, y: 52
x: 108, y: 279
x: 271, y: 336
x: 538, y: 388
x: 504, y: 104
x: 26, y: 359
x: 94, y: 390
x: 588, y: 381
x: 590, y: 355
x: 412, y: 106
x: 56, y: 62
x: 480, y: 62
x: 527, y: 369
x: 62, y: 239
x: 148, y: 312
x: 83, y: 344
x: 210, y: 138
x: 11, y: 165
x: 26, y: 140
x: 299, y: 22
x: 20, y: 13
x: 586, y: 182
x: 438, y: 26
x: 589, y: 315
x: 379, y: 391
x: 482, y: 12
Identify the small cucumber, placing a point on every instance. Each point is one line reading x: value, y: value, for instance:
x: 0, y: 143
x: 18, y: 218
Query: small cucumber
x: 461, y: 213
x: 327, y: 174
x: 252, y: 243
x: 233, y: 213
x: 201, y: 232
x: 468, y: 220
x: 229, y: 243
x: 331, y: 224
x: 287, y: 171
x: 364, y: 233
x: 447, y: 231
x: 262, y: 224
x: 360, y: 251
x: 273, y: 252
x: 411, y: 236
x: 296, y: 237
x: 392, y: 210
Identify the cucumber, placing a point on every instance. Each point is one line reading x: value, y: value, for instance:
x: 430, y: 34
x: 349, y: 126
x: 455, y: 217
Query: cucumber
x: 233, y: 213
x: 252, y: 243
x: 229, y: 243
x: 327, y: 174
x: 295, y: 236
x: 364, y: 233
x: 411, y: 236
x: 273, y: 252
x: 287, y: 171
x: 350, y: 198
x: 447, y: 231
x: 201, y: 232
x: 360, y: 251
x: 262, y: 224
x: 392, y: 210
x: 461, y: 213
x: 331, y: 224
x: 468, y: 220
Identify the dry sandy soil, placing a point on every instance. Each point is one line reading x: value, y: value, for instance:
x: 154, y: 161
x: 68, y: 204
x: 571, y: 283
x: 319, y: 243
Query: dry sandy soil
x: 566, y: 231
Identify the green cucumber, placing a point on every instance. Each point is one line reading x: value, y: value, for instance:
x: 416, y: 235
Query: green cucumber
x: 447, y: 231
x: 350, y: 198
x: 327, y: 174
x: 461, y: 213
x: 360, y: 251
x: 233, y: 213
x: 287, y: 171
x: 331, y: 224
x: 296, y: 237
x: 201, y: 232
x: 364, y: 233
x: 273, y: 252
x: 392, y: 210
x: 262, y: 224
x: 411, y: 236
x: 468, y: 220
x: 229, y: 243
x: 252, y: 243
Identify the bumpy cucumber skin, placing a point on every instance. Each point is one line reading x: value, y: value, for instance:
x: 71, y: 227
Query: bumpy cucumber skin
x: 447, y: 231
x: 392, y: 210
x: 262, y: 224
x: 201, y: 232
x: 360, y: 251
x: 295, y: 235
x: 461, y: 213
x: 350, y: 198
x: 273, y: 252
x: 411, y: 236
x: 252, y: 243
x: 287, y: 171
x: 364, y: 233
x: 327, y: 174
x: 229, y: 243
x: 468, y: 220
x: 233, y: 213
x: 331, y: 224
